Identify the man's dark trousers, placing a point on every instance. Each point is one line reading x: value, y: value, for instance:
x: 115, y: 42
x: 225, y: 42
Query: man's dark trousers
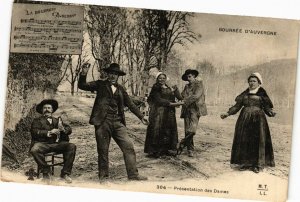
x: 68, y: 150
x: 113, y: 128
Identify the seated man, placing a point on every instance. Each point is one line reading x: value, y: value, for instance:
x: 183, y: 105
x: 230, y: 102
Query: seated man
x: 49, y: 134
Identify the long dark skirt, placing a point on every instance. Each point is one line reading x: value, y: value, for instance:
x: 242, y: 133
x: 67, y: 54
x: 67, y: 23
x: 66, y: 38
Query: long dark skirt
x: 162, y: 132
x: 252, y: 145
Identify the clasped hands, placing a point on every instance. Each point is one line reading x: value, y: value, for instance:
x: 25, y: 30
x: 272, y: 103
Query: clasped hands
x: 176, y: 104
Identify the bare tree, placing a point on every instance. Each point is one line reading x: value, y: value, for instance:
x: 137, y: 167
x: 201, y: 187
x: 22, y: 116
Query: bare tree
x: 105, y: 26
x: 137, y: 39
x: 133, y: 48
x: 161, y: 31
x: 174, y: 30
x: 64, y: 68
x: 74, y: 67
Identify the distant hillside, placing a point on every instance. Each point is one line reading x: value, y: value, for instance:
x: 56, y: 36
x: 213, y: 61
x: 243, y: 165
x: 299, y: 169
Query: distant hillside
x: 279, y: 78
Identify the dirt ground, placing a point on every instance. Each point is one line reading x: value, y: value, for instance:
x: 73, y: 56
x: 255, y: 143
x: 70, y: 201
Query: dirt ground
x: 212, y: 149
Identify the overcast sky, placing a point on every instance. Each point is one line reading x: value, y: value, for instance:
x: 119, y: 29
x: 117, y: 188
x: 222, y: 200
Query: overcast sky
x: 227, y: 48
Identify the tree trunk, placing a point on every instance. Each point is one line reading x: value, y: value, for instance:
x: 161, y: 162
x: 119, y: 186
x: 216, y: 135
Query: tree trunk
x: 72, y: 88
x: 100, y: 68
x: 164, y: 61
x: 145, y: 83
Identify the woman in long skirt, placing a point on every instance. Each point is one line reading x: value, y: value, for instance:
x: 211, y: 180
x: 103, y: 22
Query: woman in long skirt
x: 252, y: 146
x: 162, y: 135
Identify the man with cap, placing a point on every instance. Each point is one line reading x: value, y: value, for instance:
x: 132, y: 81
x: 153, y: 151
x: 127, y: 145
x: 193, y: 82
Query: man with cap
x: 109, y: 119
x: 50, y: 134
x: 194, y: 106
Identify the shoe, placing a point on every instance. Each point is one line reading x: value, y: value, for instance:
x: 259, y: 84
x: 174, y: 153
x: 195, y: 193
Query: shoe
x: 171, y: 153
x: 256, y: 169
x: 190, y: 153
x: 67, y: 179
x: 179, y: 148
x: 138, y: 178
x: 154, y: 155
x: 243, y: 168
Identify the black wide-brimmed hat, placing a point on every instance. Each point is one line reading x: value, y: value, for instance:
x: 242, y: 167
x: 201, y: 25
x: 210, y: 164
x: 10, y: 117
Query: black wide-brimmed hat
x: 114, y: 68
x: 52, y: 102
x: 189, y: 71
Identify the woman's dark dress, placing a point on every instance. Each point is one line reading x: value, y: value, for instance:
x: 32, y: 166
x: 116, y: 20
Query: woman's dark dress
x: 252, y: 145
x: 162, y: 132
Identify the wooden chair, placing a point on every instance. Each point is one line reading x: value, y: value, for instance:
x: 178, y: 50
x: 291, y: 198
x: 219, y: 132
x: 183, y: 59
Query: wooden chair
x: 51, y: 161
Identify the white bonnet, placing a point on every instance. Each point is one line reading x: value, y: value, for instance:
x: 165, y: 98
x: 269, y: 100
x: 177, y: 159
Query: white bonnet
x: 159, y: 73
x: 257, y: 75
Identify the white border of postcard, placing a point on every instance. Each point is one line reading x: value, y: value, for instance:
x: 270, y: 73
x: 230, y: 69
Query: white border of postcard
x: 288, y: 9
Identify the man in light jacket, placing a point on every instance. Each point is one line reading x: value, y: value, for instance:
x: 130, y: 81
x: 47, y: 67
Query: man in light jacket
x: 194, y: 107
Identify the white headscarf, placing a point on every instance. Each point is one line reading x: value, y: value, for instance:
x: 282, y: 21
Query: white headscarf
x: 159, y: 73
x: 256, y: 74
x: 259, y: 77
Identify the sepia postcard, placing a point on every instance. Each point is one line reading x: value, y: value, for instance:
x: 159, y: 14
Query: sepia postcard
x: 147, y: 100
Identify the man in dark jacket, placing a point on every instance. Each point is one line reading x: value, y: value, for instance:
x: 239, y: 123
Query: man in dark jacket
x: 50, y: 134
x: 194, y: 107
x: 109, y: 119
